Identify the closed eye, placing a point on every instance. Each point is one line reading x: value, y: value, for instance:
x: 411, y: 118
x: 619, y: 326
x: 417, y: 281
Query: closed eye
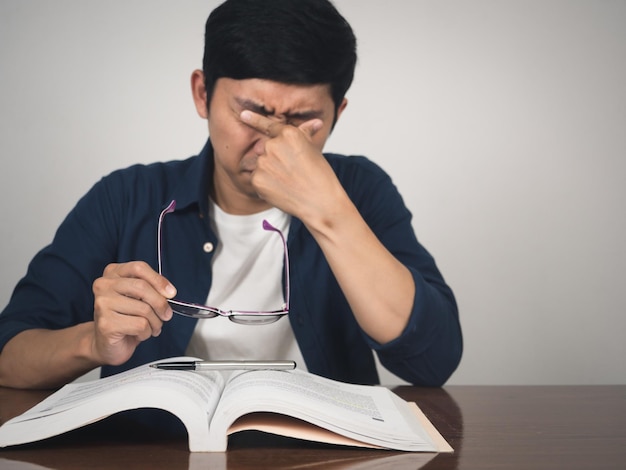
x: 249, y: 105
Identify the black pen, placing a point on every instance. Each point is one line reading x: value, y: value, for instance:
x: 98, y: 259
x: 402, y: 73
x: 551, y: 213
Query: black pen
x: 225, y: 365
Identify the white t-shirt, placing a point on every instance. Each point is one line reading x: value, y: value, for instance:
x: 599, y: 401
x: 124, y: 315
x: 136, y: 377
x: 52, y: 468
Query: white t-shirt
x: 248, y: 267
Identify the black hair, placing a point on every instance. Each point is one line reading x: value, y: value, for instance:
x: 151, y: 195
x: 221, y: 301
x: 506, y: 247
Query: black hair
x: 304, y: 42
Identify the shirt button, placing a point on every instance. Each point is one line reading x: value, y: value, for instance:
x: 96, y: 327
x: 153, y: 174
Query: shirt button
x: 208, y: 247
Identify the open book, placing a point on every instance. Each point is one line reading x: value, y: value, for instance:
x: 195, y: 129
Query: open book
x: 289, y: 403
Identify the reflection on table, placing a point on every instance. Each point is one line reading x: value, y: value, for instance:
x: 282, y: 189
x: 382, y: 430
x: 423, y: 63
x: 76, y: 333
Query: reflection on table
x: 577, y: 427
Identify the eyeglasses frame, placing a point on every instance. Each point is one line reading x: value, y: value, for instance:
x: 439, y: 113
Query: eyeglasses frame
x: 213, y: 312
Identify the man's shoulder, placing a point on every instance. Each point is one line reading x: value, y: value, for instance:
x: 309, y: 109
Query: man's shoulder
x: 144, y: 182
x: 146, y: 177
x: 350, y: 166
x: 150, y: 170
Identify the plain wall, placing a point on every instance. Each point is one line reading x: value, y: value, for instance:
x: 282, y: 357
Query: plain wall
x: 503, y: 123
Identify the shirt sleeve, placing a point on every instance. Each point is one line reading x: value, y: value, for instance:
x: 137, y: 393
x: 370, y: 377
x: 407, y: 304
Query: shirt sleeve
x: 430, y: 348
x: 56, y: 291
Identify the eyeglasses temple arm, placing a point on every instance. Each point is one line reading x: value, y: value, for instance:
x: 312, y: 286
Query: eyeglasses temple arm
x: 170, y: 208
x: 268, y: 226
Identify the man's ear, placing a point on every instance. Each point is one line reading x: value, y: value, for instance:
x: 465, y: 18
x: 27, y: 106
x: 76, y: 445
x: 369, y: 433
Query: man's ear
x: 341, y: 108
x: 198, y: 90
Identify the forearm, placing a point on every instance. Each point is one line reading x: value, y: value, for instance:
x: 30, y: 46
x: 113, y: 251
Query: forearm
x: 432, y: 344
x: 39, y: 359
x: 378, y: 287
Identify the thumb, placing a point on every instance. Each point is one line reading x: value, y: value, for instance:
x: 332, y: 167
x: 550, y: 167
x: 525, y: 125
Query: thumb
x: 311, y: 127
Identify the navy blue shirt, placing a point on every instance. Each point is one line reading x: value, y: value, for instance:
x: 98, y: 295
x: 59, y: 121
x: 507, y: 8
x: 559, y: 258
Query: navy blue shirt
x: 116, y: 221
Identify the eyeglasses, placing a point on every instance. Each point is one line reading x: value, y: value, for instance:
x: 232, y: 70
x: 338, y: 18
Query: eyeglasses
x: 243, y: 317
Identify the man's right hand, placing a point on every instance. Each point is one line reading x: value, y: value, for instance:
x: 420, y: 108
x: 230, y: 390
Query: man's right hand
x: 130, y: 306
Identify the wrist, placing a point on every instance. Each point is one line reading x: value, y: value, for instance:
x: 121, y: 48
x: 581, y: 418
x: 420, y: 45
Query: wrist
x: 326, y: 218
x: 87, y: 351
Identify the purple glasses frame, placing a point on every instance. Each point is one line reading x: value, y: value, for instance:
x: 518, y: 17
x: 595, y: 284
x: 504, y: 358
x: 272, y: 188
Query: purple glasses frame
x: 189, y: 309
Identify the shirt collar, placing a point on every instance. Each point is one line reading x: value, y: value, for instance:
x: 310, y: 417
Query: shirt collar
x: 193, y: 188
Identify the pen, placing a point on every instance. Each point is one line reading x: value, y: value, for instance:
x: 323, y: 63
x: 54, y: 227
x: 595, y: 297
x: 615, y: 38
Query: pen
x: 225, y: 365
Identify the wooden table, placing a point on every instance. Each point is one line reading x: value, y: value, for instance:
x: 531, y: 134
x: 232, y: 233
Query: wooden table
x: 512, y: 427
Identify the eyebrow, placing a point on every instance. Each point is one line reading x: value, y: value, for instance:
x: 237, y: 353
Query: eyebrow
x: 259, y: 108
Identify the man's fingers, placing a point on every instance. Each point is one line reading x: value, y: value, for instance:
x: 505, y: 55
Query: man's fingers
x: 262, y: 124
x: 136, y: 280
x: 128, y: 295
x: 273, y: 128
x: 311, y: 127
x: 141, y: 270
x: 139, y: 318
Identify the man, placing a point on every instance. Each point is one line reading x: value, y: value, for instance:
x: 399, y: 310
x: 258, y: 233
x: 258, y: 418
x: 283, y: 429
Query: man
x: 112, y: 289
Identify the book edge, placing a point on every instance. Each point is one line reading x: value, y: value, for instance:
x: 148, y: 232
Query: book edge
x: 439, y: 441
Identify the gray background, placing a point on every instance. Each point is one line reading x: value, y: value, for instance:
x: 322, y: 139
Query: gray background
x: 503, y: 123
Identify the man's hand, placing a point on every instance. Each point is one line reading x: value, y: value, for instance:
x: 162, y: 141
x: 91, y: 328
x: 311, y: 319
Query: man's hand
x: 292, y: 174
x: 130, y: 306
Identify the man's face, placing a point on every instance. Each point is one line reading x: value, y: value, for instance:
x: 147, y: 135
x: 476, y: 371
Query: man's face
x: 237, y: 146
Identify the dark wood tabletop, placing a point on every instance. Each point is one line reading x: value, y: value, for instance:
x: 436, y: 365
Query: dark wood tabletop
x: 490, y: 427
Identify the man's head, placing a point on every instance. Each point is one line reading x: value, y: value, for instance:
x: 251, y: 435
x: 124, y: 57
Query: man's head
x: 305, y: 42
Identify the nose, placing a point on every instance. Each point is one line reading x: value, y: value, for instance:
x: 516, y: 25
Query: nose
x: 259, y: 145
x: 262, y: 138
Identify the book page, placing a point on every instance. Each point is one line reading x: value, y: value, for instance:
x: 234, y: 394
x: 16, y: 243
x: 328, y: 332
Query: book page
x: 366, y: 413
x: 204, y: 389
x: 288, y: 426
x: 190, y: 396
x: 283, y: 425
